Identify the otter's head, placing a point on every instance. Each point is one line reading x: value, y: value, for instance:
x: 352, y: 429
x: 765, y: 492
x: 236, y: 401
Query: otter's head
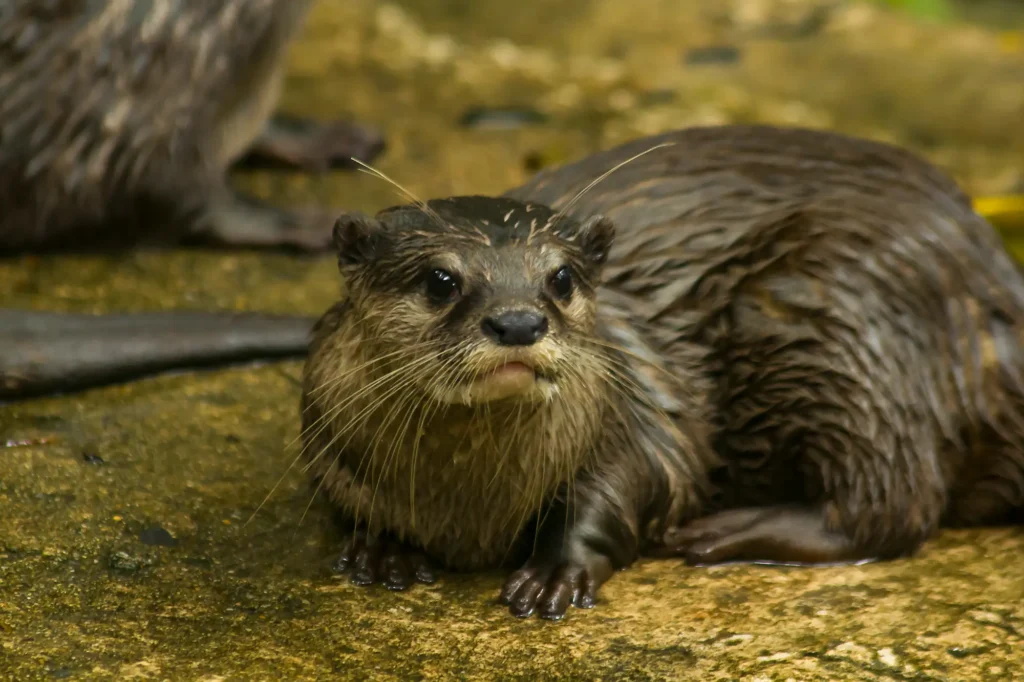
x: 477, y: 299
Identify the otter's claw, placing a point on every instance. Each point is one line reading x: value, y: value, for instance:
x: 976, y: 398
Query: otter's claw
x: 391, y: 563
x: 549, y: 590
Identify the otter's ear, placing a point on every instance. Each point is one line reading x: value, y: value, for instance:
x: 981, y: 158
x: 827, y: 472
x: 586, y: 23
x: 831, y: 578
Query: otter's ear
x: 596, y: 235
x: 356, y: 238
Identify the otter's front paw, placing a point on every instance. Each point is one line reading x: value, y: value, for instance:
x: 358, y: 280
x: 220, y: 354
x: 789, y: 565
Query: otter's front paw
x: 383, y: 560
x: 549, y: 587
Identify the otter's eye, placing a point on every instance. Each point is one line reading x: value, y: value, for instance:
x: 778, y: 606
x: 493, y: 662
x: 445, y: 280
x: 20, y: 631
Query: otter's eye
x: 561, y: 282
x: 442, y: 286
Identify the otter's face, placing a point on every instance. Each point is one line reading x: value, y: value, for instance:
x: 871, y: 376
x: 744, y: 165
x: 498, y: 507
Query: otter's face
x: 477, y: 299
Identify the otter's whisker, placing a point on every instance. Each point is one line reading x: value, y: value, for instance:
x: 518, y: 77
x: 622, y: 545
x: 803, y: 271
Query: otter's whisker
x: 334, y: 380
x: 516, y: 418
x: 579, y: 195
x: 650, y: 363
x: 420, y: 426
x: 408, y: 381
x: 356, y: 422
x: 409, y: 397
x: 329, y: 384
x: 337, y: 409
x: 422, y: 205
x: 382, y: 469
x: 296, y: 459
x: 299, y: 455
x: 334, y: 413
x: 405, y: 376
x: 353, y: 426
x: 446, y: 375
x: 570, y: 475
x: 539, y: 503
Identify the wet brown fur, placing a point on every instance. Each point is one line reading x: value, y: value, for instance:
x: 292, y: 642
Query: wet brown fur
x: 824, y: 316
x: 865, y: 324
x: 119, y: 119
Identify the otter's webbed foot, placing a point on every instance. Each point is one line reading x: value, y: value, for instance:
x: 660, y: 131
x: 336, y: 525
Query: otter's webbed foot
x: 383, y: 560
x: 549, y: 586
x: 308, y: 145
x: 770, y: 535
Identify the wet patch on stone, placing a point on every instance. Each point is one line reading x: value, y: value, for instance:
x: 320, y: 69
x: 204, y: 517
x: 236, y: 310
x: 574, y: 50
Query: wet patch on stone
x: 712, y: 54
x: 155, y: 536
x: 501, y: 118
x: 90, y: 457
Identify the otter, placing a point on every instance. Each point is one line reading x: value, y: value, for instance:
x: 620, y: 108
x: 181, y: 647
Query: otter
x: 119, y: 120
x: 753, y: 343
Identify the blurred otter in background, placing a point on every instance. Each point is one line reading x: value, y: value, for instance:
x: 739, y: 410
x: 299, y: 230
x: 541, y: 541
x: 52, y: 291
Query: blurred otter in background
x: 119, y: 120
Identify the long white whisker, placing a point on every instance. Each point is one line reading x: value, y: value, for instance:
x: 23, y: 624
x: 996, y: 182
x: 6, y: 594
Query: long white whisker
x: 422, y: 205
x: 579, y: 195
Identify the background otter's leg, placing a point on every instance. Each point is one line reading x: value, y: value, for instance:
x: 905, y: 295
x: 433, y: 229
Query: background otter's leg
x: 292, y: 142
x: 245, y: 122
x: 991, y: 491
x: 233, y: 219
x: 248, y: 130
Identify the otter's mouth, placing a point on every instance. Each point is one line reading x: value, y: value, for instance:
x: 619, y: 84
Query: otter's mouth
x: 507, y: 379
x: 513, y: 370
x: 508, y: 370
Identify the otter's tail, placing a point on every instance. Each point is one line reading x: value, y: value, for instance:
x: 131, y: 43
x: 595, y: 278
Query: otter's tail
x: 43, y: 353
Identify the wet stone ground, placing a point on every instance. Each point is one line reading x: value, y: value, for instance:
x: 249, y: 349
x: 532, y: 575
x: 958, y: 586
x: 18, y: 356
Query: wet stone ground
x: 125, y: 551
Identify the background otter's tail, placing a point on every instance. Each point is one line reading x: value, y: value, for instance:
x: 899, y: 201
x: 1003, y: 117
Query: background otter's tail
x: 42, y: 352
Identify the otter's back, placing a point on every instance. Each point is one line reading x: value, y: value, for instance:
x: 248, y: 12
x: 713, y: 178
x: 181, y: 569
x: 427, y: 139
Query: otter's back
x: 799, y: 255
x: 726, y: 196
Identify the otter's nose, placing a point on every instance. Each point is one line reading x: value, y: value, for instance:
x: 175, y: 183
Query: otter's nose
x: 515, y: 328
